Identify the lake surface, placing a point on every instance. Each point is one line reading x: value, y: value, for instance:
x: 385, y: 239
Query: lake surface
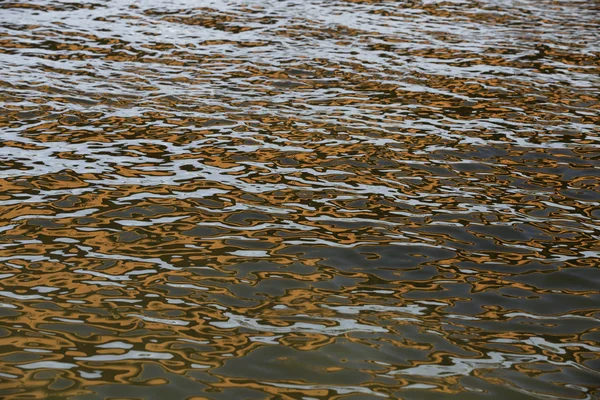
x: 318, y: 199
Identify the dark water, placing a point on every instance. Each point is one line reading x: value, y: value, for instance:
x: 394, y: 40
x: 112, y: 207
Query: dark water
x: 299, y: 199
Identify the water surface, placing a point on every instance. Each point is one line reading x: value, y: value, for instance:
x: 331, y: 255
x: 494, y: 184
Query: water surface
x: 299, y: 199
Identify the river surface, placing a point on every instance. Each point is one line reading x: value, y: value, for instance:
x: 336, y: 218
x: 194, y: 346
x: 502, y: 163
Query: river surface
x: 343, y: 199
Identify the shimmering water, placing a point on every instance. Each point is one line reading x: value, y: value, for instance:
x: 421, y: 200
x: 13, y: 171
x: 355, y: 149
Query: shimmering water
x: 342, y: 199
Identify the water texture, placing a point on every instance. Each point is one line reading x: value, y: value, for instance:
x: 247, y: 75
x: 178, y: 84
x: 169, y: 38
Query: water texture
x: 323, y: 199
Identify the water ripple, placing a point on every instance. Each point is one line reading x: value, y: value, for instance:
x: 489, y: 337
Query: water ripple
x: 299, y: 199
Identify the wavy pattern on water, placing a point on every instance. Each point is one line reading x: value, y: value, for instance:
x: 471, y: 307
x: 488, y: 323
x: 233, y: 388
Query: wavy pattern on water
x: 285, y: 199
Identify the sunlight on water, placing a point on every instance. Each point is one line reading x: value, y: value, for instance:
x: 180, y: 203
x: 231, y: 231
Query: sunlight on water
x: 348, y: 199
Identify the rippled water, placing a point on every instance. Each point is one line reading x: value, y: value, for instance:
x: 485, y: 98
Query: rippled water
x: 342, y: 199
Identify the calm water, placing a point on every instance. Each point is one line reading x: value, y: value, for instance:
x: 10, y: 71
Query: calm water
x: 294, y: 199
